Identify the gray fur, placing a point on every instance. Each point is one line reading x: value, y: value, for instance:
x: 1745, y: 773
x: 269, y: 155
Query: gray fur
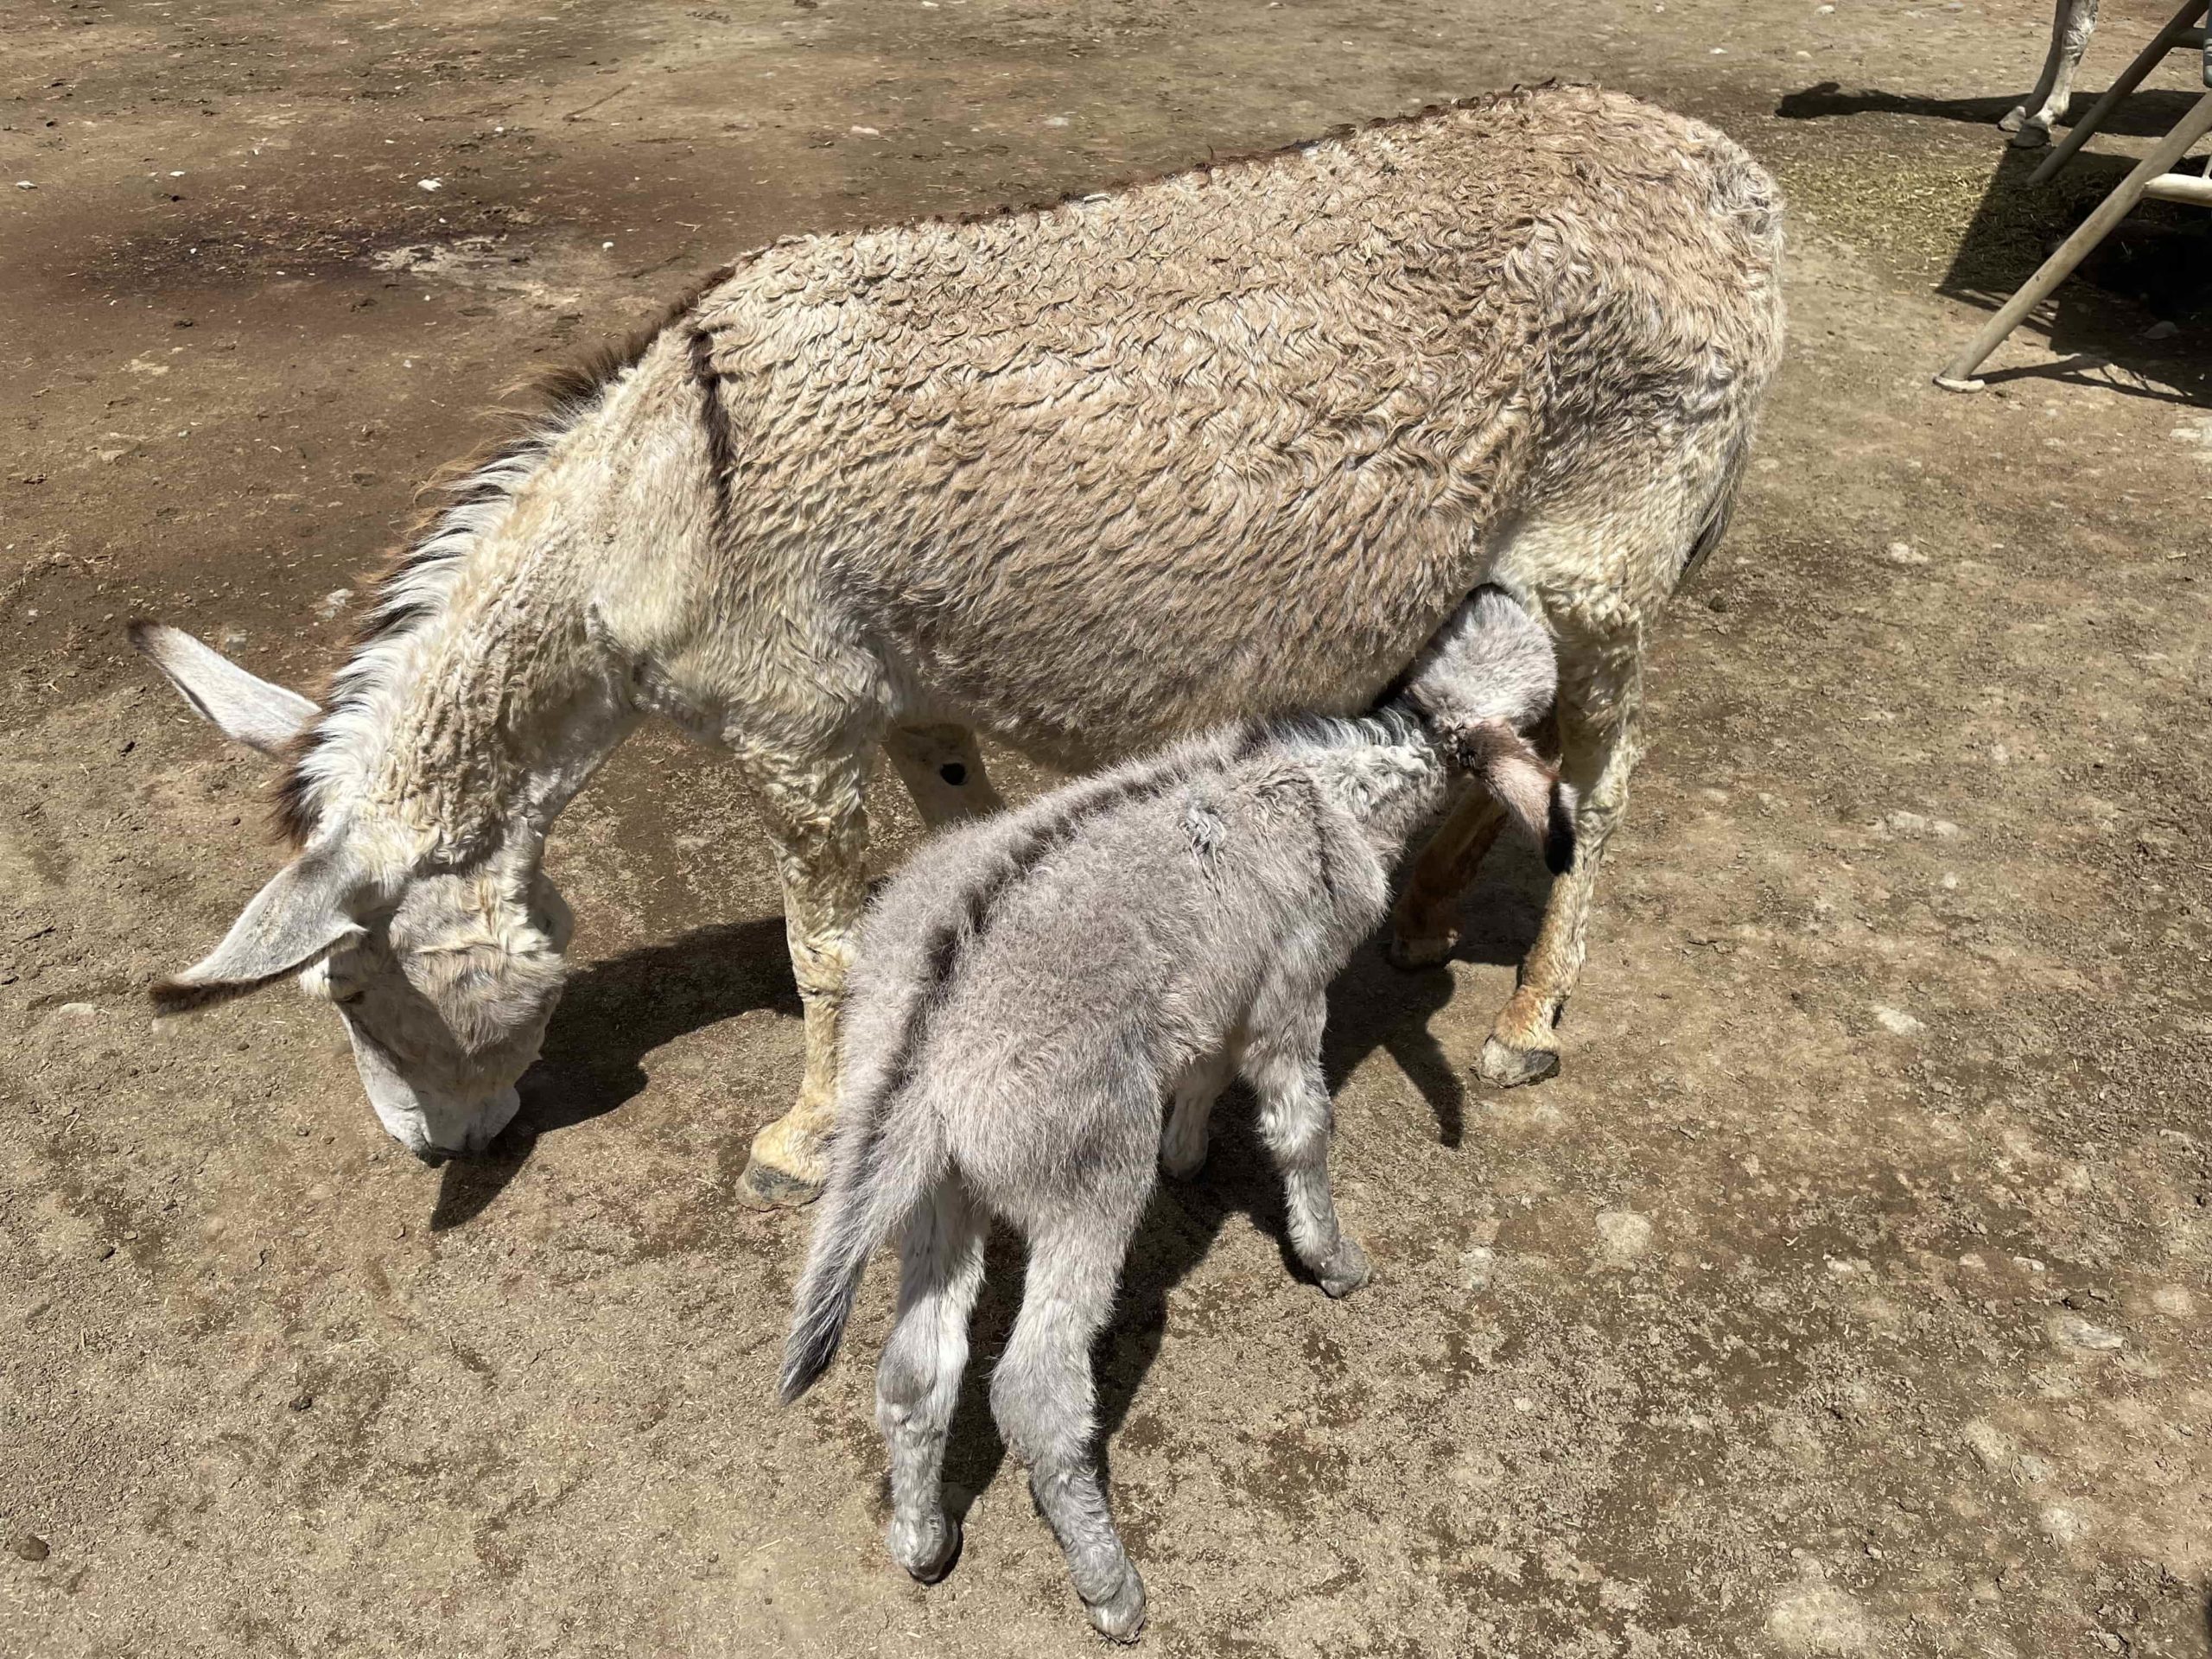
x: 1084, y: 480
x: 1034, y: 986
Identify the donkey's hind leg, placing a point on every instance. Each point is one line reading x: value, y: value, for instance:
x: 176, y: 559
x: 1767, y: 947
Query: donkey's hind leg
x: 1600, y: 703
x: 1283, y: 1066
x: 916, y: 1384
x: 942, y: 770
x: 1425, y: 922
x: 1043, y: 1395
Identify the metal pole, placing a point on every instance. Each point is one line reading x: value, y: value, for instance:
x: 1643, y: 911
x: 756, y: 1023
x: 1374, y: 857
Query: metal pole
x: 1958, y: 375
x: 2161, y: 43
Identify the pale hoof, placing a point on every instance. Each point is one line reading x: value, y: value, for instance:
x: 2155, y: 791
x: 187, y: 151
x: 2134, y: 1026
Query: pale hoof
x: 763, y: 1186
x: 1508, y: 1067
x: 1415, y: 954
x: 1122, y: 1619
x: 1347, y: 1270
x: 929, y: 1559
x: 1182, y: 1159
x: 2012, y: 118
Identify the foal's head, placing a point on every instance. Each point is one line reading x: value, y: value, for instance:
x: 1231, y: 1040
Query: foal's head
x: 445, y: 976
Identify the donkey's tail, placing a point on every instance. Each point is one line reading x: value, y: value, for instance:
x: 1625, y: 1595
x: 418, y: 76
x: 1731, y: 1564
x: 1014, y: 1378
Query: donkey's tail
x: 1718, y: 511
x: 883, y: 1166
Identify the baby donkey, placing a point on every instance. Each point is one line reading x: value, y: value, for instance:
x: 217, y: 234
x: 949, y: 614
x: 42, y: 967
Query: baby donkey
x: 1032, y: 987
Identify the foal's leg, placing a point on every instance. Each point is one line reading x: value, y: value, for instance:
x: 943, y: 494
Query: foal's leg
x: 1601, y: 702
x: 812, y: 809
x: 1183, y: 1147
x: 1043, y: 1395
x: 941, y: 1267
x: 1283, y: 1066
x: 942, y: 770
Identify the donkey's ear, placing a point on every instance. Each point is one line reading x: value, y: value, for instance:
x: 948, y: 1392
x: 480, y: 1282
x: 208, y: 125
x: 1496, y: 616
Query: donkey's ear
x: 299, y: 918
x: 247, y: 710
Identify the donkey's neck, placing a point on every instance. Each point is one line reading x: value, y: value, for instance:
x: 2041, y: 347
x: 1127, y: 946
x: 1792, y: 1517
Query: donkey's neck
x: 508, y: 712
x: 485, y: 690
x: 476, y: 706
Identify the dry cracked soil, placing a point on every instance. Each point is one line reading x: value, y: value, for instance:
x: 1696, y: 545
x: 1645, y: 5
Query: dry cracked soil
x: 1847, y: 1293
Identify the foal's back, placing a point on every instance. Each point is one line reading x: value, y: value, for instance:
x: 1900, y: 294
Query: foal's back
x: 1067, y: 960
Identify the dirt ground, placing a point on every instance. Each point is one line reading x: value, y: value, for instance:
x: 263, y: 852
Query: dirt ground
x: 1846, y: 1294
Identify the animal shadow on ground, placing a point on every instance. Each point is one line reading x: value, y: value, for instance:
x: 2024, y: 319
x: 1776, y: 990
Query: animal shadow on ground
x: 2155, y: 268
x: 2147, y: 114
x: 1372, y: 1005
x: 613, y: 1014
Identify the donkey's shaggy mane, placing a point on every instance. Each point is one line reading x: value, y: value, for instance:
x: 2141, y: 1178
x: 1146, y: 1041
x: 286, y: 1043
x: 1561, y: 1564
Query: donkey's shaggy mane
x: 478, y: 490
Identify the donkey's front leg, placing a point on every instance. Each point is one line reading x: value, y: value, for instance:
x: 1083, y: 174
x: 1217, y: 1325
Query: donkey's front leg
x: 813, y: 810
x: 942, y: 770
x: 1283, y: 1066
x: 1191, y: 1098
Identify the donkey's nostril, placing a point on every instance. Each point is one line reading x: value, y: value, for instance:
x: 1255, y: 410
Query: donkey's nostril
x: 953, y: 773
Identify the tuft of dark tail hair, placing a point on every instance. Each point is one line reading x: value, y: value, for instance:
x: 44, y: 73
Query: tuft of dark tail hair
x: 816, y: 1334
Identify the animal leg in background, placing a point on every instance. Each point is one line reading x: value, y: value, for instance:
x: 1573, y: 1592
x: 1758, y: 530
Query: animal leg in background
x: 2071, y: 25
x: 813, y: 811
x: 1183, y: 1147
x: 942, y: 770
x: 1425, y: 922
x: 1600, y: 700
x: 917, y: 1382
x: 1043, y: 1397
x: 1283, y: 1066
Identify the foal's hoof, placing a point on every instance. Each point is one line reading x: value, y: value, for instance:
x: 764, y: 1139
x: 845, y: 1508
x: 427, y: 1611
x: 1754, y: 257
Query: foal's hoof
x: 2030, y: 137
x: 763, y: 1186
x: 1184, y: 1157
x: 1347, y: 1270
x: 1122, y: 1616
x: 1506, y: 1066
x: 929, y: 1559
x: 1413, y: 954
x: 2013, y: 119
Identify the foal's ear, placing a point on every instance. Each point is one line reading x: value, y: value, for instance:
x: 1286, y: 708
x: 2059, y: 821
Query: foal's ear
x: 247, y: 710
x: 1505, y: 764
x: 299, y: 918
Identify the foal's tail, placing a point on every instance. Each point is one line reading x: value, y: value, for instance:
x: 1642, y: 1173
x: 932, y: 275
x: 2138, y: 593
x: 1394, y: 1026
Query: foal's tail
x: 883, y: 1167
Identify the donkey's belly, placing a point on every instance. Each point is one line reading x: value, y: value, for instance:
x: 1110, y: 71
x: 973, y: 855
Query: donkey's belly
x: 1083, y: 655
x: 1074, y: 679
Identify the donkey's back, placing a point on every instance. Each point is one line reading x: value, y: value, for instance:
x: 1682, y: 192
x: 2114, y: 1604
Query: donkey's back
x: 1237, y: 440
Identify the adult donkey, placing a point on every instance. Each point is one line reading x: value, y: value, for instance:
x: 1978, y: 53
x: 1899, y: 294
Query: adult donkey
x: 1084, y: 478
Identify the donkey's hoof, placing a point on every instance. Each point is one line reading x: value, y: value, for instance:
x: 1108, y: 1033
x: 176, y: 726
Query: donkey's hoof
x: 1506, y: 1066
x: 1347, y: 1270
x: 1182, y: 1157
x: 2013, y: 119
x: 929, y: 1559
x: 1122, y: 1616
x: 763, y: 1186
x: 1413, y: 954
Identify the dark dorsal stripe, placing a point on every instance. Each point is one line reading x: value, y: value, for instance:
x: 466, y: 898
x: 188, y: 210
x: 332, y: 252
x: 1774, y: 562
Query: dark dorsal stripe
x: 950, y: 942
